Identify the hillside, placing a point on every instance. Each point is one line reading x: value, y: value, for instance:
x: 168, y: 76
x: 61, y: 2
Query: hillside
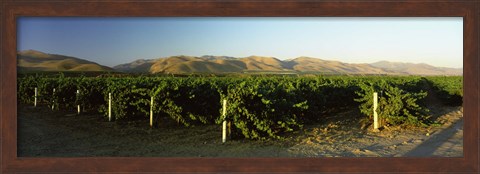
x: 223, y: 64
x: 417, y: 69
x: 139, y: 65
x: 32, y: 60
x: 307, y: 64
x: 214, y: 64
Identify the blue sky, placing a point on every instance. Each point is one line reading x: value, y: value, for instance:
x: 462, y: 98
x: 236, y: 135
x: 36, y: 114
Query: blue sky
x: 111, y: 41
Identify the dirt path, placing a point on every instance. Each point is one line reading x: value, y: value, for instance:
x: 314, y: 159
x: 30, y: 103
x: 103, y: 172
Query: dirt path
x: 447, y: 142
x: 45, y: 133
x: 339, y: 140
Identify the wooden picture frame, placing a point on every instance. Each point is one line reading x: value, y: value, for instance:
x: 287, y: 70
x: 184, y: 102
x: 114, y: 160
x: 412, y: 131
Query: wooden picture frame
x: 10, y: 10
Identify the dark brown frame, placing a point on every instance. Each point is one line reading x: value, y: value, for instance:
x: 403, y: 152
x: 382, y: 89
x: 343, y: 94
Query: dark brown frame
x: 10, y: 10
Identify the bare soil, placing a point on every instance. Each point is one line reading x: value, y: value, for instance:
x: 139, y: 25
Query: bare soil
x: 341, y: 139
x: 46, y: 133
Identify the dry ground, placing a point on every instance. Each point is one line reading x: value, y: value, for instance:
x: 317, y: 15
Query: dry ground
x: 43, y: 133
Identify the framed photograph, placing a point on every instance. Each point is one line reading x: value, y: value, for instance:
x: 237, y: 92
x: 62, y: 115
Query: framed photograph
x: 194, y: 86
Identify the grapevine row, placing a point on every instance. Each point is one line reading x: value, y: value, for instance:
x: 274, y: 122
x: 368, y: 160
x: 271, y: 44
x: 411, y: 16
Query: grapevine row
x: 259, y: 107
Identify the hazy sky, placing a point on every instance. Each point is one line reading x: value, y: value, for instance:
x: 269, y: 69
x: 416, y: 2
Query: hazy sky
x: 111, y: 41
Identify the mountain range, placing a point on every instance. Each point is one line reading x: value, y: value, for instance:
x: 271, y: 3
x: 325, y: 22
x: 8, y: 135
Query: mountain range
x: 32, y: 60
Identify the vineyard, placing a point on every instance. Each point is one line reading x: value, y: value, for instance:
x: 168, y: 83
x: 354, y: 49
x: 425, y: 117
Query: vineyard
x: 258, y: 107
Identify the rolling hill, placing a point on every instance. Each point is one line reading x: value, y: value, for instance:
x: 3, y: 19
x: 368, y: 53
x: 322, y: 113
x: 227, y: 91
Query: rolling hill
x: 308, y: 64
x: 223, y: 64
x: 136, y: 66
x: 417, y: 69
x: 32, y: 60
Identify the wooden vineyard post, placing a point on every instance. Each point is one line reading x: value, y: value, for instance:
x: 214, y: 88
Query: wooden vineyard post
x: 151, y: 111
x: 78, y: 104
x: 109, y: 106
x: 53, y: 99
x: 224, y: 128
x: 36, y: 94
x: 375, y: 115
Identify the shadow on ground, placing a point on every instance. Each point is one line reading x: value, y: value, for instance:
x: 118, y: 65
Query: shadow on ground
x: 431, y: 145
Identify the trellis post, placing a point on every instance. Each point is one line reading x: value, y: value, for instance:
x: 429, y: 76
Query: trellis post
x: 109, y: 106
x: 53, y: 99
x: 78, y: 104
x: 36, y: 94
x: 224, y: 129
x: 151, y: 111
x: 375, y: 114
